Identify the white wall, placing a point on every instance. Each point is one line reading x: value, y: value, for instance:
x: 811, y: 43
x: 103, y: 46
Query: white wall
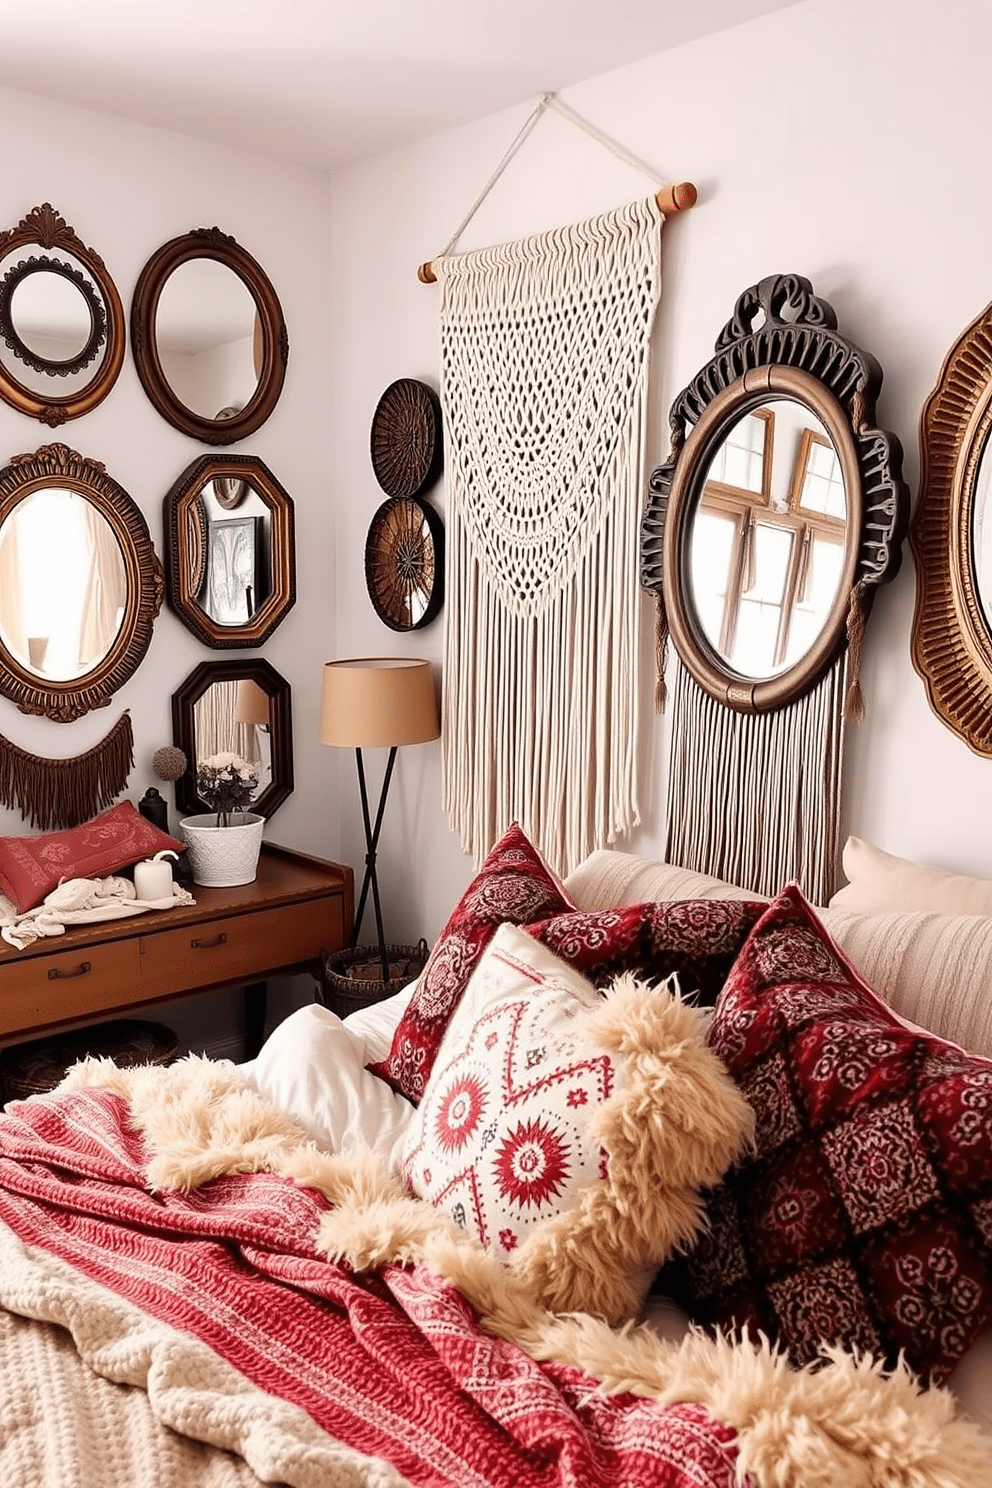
x: 845, y: 141
x: 126, y: 190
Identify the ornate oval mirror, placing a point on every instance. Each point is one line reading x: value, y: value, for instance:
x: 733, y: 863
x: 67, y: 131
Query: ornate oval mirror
x: 80, y: 583
x: 231, y: 566
x: 208, y: 336
x: 781, y: 509
x: 241, y: 705
x: 61, y: 320
x: 951, y: 537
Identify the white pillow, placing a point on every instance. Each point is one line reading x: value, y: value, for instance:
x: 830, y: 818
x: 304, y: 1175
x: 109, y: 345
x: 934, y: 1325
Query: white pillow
x: 376, y: 1024
x: 880, y: 883
x: 313, y: 1068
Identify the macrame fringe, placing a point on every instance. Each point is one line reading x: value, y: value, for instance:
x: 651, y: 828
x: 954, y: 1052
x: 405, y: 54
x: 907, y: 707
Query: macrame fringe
x: 544, y: 352
x: 754, y: 798
x: 58, y: 793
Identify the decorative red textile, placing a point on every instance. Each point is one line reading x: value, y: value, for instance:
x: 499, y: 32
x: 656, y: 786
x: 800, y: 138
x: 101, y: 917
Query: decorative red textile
x: 31, y: 867
x: 864, y: 1216
x: 513, y: 886
x: 697, y: 940
x: 392, y: 1364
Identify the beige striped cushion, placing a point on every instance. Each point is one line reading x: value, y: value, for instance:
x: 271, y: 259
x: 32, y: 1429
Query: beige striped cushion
x: 934, y: 969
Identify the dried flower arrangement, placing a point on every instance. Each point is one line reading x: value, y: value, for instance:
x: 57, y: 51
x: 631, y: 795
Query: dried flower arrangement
x: 226, y: 783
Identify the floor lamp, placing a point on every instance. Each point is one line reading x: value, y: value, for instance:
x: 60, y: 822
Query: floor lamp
x: 377, y: 702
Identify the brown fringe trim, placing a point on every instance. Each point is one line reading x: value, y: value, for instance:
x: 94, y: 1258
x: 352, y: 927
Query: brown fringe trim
x: 55, y: 793
x: 857, y: 616
x: 660, y: 651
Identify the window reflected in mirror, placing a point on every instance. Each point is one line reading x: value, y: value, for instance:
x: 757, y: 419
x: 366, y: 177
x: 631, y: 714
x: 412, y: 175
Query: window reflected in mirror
x: 768, y: 537
x: 63, y: 584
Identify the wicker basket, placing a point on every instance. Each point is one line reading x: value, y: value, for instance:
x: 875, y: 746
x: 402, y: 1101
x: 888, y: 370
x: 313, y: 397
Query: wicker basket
x: 352, y: 979
x: 33, y: 1068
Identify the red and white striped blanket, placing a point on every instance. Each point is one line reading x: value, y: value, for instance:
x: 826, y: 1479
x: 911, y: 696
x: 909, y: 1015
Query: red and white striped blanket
x: 391, y: 1364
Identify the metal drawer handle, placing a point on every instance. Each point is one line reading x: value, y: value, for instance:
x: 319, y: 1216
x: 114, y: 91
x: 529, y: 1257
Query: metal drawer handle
x: 55, y: 974
x: 205, y: 945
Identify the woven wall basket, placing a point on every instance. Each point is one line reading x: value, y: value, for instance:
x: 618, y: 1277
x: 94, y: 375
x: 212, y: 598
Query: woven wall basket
x: 223, y: 856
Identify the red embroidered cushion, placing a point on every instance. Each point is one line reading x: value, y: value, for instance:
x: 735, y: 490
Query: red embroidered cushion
x: 31, y: 867
x: 513, y: 886
x: 697, y: 940
x: 864, y: 1215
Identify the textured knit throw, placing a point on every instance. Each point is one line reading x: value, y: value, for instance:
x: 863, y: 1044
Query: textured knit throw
x: 544, y: 352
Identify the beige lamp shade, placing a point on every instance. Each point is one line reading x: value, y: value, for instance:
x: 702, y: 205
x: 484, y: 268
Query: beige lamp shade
x: 378, y: 701
x: 251, y: 703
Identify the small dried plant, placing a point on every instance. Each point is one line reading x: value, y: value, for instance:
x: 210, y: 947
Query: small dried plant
x: 226, y: 782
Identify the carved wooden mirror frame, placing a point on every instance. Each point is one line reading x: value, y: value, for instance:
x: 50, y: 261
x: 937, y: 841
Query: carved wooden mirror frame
x: 45, y: 228
x: 57, y: 465
x: 271, y: 336
x: 276, y: 688
x: 187, y: 534
x: 952, y: 644
x: 781, y: 343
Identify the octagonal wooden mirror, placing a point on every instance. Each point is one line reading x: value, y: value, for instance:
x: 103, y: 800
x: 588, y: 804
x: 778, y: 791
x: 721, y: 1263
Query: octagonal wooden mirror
x: 231, y: 562
x: 241, y: 705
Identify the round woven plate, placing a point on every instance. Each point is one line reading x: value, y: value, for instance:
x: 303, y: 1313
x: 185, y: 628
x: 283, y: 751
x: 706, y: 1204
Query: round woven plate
x: 405, y: 443
x: 404, y: 563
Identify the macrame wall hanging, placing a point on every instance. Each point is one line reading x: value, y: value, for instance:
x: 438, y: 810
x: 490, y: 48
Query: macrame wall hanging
x: 56, y: 793
x: 764, y: 539
x: 544, y: 371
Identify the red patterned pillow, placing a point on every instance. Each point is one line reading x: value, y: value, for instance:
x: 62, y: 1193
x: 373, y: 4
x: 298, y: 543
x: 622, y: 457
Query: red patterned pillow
x: 513, y: 886
x: 864, y: 1215
x: 697, y: 940
x: 32, y: 866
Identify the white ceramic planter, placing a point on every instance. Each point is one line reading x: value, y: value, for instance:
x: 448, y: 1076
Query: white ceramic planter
x: 221, y: 857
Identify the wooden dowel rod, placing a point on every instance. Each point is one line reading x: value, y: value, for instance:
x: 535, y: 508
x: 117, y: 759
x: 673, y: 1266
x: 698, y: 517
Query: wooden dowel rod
x: 670, y: 199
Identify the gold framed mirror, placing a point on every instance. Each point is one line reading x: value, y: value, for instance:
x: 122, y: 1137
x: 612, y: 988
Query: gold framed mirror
x: 781, y: 507
x: 951, y: 538
x: 242, y: 705
x: 61, y: 320
x: 231, y: 571
x: 208, y: 337
x: 80, y: 583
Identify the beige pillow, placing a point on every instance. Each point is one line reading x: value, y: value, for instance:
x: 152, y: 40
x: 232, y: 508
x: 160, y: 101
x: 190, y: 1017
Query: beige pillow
x: 879, y: 882
x: 607, y: 878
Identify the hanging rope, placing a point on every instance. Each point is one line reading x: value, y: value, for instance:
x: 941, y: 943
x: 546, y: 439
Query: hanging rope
x: 677, y: 198
x: 55, y: 793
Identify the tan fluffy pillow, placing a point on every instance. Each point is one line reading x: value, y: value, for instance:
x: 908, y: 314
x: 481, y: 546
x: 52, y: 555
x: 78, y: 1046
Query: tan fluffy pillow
x: 880, y: 883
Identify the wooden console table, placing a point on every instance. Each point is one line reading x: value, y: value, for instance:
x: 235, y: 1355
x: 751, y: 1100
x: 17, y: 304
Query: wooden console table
x: 296, y: 907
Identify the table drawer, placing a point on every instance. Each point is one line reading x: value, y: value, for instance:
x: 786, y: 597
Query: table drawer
x: 242, y: 948
x: 38, y: 991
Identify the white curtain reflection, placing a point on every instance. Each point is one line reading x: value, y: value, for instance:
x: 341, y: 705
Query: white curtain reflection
x: 64, y: 584
x: 216, y: 728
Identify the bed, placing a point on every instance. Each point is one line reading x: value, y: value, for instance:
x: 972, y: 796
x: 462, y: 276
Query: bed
x: 545, y: 1217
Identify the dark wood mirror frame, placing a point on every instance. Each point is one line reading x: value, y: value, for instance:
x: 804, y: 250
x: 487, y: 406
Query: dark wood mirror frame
x: 57, y: 465
x: 186, y: 534
x: 781, y: 343
x: 271, y: 336
x: 952, y: 646
x: 45, y: 228
x: 276, y: 688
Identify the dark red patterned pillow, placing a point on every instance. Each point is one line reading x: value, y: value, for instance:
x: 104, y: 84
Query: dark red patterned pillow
x: 864, y: 1216
x: 513, y: 886
x: 696, y: 939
